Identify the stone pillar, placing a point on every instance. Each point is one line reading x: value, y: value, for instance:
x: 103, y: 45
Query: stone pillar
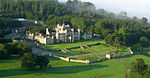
x: 87, y: 61
x: 68, y: 59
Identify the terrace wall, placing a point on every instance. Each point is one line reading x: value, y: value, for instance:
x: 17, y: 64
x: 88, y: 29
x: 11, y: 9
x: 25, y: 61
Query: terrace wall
x: 72, y: 60
x: 83, y: 46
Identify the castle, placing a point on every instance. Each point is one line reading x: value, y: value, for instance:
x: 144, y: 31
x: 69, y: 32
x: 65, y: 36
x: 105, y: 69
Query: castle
x: 62, y: 33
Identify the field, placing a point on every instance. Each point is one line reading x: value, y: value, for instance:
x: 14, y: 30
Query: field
x: 11, y: 68
x: 61, y: 69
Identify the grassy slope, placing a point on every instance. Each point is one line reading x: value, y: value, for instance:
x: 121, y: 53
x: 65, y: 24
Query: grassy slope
x: 68, y: 45
x: 133, y: 75
x: 93, y: 49
x: 61, y: 69
x: 129, y: 60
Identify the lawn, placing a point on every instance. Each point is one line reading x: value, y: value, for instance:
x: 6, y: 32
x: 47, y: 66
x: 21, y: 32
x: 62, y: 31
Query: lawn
x: 68, y: 45
x: 89, y: 57
x: 129, y: 60
x: 133, y: 75
x: 61, y: 69
x: 92, y: 49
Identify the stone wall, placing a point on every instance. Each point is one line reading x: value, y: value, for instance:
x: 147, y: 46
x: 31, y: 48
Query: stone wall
x: 80, y: 61
x: 99, y: 60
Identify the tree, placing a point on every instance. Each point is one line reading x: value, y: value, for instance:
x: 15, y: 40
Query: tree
x: 99, y: 27
x: 138, y: 66
x: 12, y: 48
x: 42, y: 61
x: 23, y: 48
x: 28, y: 61
x: 146, y: 73
x: 144, y: 41
x: 137, y: 47
x: 3, y: 52
x: 144, y: 21
x: 78, y: 23
x: 117, y: 42
x: 122, y: 15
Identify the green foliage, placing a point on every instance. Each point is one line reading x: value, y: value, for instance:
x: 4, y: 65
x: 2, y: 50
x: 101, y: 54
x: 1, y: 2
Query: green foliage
x: 42, y: 61
x: 23, y: 48
x: 8, y: 24
x: 36, y: 29
x: 3, y: 52
x: 78, y: 14
x: 137, y: 47
x: 139, y: 66
x: 78, y: 23
x: 28, y: 61
x: 3, y: 40
x: 146, y: 73
x: 114, y: 39
x: 144, y: 41
x: 12, y: 48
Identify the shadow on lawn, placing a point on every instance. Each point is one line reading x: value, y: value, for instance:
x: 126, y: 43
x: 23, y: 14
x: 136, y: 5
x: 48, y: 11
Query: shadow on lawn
x: 53, y: 70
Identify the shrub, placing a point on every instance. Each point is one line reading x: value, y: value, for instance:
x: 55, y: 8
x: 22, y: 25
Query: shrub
x: 23, y: 48
x: 28, y: 61
x: 42, y: 61
x: 3, y: 52
x: 138, y: 66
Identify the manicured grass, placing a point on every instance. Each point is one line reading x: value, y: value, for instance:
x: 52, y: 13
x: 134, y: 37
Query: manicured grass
x: 93, y: 49
x: 124, y: 51
x: 61, y: 69
x: 68, y: 45
x: 133, y: 75
x: 129, y: 60
x: 89, y: 57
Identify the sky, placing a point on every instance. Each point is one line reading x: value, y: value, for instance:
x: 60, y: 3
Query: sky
x: 139, y: 8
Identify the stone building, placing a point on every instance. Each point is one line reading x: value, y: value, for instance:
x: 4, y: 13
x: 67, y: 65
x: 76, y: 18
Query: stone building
x: 62, y: 33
